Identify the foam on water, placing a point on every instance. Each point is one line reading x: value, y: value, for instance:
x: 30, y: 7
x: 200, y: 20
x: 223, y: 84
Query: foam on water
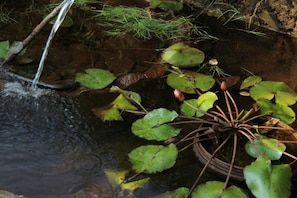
x: 17, y: 89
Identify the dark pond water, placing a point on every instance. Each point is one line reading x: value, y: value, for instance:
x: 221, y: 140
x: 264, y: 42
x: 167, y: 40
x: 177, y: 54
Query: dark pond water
x: 53, y: 145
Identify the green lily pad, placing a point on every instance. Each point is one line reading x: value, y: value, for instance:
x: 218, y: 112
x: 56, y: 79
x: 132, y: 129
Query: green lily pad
x: 153, y: 158
x: 153, y: 125
x: 189, y: 81
x: 121, y: 102
x: 182, y: 55
x: 266, y: 180
x: 283, y: 94
x: 284, y: 113
x: 215, y: 189
x: 250, y: 81
x: 4, y: 46
x: 265, y: 146
x: 95, y: 78
x: 198, y: 107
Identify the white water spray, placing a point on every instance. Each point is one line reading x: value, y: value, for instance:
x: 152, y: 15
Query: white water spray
x: 65, y: 6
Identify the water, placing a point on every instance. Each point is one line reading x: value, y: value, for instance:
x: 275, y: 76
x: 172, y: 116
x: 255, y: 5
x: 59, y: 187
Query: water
x: 64, y: 8
x: 53, y: 147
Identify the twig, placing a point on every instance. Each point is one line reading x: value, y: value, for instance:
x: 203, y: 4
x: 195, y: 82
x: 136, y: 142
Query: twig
x: 35, y: 31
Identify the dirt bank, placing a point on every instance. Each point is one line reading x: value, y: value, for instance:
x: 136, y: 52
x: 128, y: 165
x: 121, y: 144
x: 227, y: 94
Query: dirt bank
x: 277, y: 15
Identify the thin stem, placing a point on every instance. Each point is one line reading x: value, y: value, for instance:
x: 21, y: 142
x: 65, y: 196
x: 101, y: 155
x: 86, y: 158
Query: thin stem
x: 245, y: 134
x: 232, y: 160
x: 228, y: 107
x: 208, y: 162
x: 233, y: 102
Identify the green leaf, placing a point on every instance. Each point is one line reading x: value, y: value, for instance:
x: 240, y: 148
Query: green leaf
x: 188, y: 81
x: 181, y: 192
x: 132, y: 96
x: 4, y: 46
x: 284, y: 113
x: 153, y: 125
x: 266, y: 180
x: 283, y: 94
x: 153, y: 158
x: 250, y: 81
x: 265, y: 146
x: 108, y: 113
x: 95, y: 78
x: 181, y: 55
x: 198, y: 107
x: 175, y: 5
x: 215, y: 189
x: 117, y: 178
x: 122, y: 103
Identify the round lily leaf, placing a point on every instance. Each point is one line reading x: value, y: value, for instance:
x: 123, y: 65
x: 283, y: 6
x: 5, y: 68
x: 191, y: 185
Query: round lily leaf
x: 189, y: 81
x: 4, y: 46
x: 182, y: 55
x: 153, y: 126
x: 153, y: 158
x: 198, y: 107
x: 95, y: 78
x: 283, y: 94
x: 265, y: 146
x: 250, y: 81
x: 284, y: 113
x: 215, y: 189
x: 266, y: 180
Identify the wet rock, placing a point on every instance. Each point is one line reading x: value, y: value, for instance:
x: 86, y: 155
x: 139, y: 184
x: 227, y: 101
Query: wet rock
x: 6, y: 194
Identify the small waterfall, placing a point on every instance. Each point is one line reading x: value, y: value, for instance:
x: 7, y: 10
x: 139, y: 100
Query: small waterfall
x: 65, y: 6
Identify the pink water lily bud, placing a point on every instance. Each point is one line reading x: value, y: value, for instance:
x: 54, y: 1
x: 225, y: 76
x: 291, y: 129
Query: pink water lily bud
x: 223, y: 86
x: 179, y: 95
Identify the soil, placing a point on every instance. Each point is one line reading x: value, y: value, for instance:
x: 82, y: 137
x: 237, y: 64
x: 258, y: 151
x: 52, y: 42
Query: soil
x: 276, y: 15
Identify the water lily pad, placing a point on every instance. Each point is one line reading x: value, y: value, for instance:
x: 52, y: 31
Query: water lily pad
x: 95, y: 78
x: 4, y: 46
x: 284, y: 113
x: 266, y: 180
x: 153, y: 126
x: 182, y: 55
x: 175, y: 5
x: 265, y: 146
x: 189, y: 81
x: 215, y: 189
x: 153, y: 158
x: 108, y: 113
x: 283, y: 94
x: 250, y: 81
x: 198, y: 107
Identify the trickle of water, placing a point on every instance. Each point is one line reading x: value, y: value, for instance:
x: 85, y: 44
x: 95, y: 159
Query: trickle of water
x: 65, y: 6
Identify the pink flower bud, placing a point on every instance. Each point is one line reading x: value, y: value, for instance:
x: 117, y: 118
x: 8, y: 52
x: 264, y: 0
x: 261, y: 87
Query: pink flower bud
x: 179, y: 95
x: 223, y: 86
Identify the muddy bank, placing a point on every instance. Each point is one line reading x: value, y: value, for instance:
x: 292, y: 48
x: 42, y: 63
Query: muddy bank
x: 276, y: 15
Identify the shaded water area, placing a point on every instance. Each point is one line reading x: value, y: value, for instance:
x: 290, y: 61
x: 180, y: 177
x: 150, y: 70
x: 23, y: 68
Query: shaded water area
x: 54, y: 146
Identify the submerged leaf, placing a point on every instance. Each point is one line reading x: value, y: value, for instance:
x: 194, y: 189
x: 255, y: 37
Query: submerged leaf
x: 117, y: 178
x: 153, y: 126
x: 181, y: 55
x: 266, y: 180
x: 95, y: 78
x: 175, y: 5
x: 181, y: 192
x: 122, y: 103
x: 215, y: 189
x: 107, y: 113
x: 153, y: 158
x: 189, y: 81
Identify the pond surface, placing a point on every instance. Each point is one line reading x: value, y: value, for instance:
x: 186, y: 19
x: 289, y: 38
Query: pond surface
x: 53, y: 145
